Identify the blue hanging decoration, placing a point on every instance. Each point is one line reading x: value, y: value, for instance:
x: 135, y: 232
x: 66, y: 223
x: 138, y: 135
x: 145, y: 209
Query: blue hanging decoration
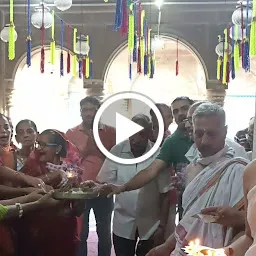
x: 130, y: 71
x: 80, y: 62
x: 152, y: 68
x: 146, y: 47
x: 134, y: 53
x: 61, y: 46
x: 118, y: 15
x: 232, y: 63
x: 29, y: 39
x: 246, y: 43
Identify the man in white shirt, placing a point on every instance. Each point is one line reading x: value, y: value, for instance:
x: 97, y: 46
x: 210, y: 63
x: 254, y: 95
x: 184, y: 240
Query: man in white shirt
x: 193, y: 151
x: 140, y: 214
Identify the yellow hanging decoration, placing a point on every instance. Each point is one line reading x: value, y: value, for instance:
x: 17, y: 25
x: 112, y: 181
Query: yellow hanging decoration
x: 52, y: 45
x: 87, y: 62
x: 131, y: 29
x: 253, y: 31
x: 11, y: 43
x: 74, y: 59
x: 236, y: 49
x: 142, y: 44
x: 225, y: 57
x: 74, y: 64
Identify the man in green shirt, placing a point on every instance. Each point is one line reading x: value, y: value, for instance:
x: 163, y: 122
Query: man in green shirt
x: 172, y: 152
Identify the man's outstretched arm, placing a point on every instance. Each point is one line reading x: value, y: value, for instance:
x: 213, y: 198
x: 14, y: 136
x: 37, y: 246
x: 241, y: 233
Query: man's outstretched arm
x: 140, y: 179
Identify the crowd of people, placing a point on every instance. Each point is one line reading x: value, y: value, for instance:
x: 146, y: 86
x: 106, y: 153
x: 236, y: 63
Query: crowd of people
x: 198, y: 173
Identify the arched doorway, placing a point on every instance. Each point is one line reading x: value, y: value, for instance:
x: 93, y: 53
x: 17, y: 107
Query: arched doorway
x: 48, y: 99
x: 165, y: 86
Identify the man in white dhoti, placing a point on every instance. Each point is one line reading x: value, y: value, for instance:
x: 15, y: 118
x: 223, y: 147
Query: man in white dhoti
x: 214, y: 179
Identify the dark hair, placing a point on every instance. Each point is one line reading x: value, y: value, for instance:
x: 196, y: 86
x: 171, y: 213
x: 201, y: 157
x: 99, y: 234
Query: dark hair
x: 26, y: 121
x: 57, y: 138
x: 160, y: 106
x: 184, y: 98
x: 144, y: 120
x: 90, y: 99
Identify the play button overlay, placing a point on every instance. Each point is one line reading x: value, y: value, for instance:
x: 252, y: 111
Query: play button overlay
x: 131, y: 128
x: 125, y: 127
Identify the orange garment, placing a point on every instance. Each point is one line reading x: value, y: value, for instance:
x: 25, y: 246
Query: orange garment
x: 92, y: 162
x: 8, y: 159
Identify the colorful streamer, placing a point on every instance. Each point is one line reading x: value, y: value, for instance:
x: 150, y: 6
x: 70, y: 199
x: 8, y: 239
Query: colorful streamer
x: 28, y: 40
x: 42, y: 44
x: 232, y: 66
x: 225, y: 57
x: 69, y: 47
x: 246, y: 65
x: 118, y: 15
x: 253, y: 30
x: 52, y: 45
x: 124, y: 24
x: 177, y: 58
x: 74, y: 50
x: 62, y: 27
x: 11, y: 42
x: 236, y: 49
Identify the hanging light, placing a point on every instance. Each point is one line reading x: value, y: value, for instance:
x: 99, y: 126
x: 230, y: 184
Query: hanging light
x: 63, y: 5
x: 4, y: 35
x: 219, y: 49
x: 37, y: 17
x: 237, y: 14
x: 82, y: 45
x: 237, y: 31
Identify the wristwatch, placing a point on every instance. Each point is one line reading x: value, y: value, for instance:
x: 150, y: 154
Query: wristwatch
x: 19, y: 208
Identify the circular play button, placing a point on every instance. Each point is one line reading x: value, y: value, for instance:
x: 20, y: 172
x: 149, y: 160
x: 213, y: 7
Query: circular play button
x: 125, y: 128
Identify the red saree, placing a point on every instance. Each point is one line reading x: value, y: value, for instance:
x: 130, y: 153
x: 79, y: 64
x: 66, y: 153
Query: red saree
x: 49, y: 235
x: 8, y: 159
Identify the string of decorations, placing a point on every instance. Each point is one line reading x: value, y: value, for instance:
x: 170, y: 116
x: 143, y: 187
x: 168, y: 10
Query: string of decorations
x: 131, y: 20
x: 78, y: 46
x: 237, y: 44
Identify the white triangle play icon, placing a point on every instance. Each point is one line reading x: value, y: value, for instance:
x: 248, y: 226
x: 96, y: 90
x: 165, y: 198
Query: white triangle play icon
x: 125, y: 128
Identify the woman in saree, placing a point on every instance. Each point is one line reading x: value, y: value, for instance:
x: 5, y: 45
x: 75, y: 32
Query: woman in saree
x: 26, y: 135
x: 51, y: 234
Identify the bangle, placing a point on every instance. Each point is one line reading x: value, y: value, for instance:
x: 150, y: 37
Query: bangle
x: 3, y: 211
x: 19, y: 208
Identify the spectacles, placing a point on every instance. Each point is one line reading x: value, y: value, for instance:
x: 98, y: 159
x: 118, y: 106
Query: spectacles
x: 43, y: 145
x: 188, y: 119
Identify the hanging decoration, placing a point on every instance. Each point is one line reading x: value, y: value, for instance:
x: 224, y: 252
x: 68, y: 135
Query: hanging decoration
x: 37, y: 20
x: 63, y: 5
x: 11, y: 42
x: 87, y: 62
x: 253, y: 31
x: 131, y: 34
x: 4, y: 34
x: 124, y: 23
x: 52, y: 45
x: 220, y: 59
x: 236, y: 49
x: 118, y: 15
x: 80, y: 61
x: 69, y: 47
x: 42, y: 43
x: 62, y: 28
x: 232, y: 66
x: 132, y: 21
x: 246, y: 49
x: 177, y: 58
x: 74, y: 56
x: 29, y: 40
x: 239, y: 16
